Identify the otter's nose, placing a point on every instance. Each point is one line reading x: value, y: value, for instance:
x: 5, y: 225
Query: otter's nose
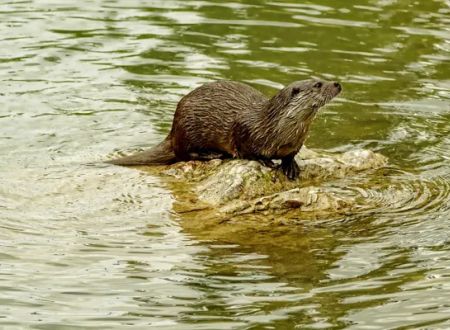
x: 337, y: 85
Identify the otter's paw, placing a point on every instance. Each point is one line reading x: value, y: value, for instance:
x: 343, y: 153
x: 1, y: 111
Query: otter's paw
x: 268, y: 163
x: 291, y: 169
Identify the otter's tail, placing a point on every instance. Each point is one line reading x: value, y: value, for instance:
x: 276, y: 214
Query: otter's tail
x: 161, y: 154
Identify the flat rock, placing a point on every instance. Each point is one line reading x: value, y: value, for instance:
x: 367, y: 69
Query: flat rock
x: 239, y: 186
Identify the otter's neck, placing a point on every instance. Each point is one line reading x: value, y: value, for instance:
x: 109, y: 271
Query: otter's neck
x: 276, y: 124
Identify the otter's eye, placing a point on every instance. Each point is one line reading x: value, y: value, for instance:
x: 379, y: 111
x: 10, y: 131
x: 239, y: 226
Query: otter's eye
x: 295, y: 91
x: 318, y: 85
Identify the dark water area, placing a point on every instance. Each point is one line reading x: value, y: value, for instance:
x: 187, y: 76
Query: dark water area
x: 85, y: 245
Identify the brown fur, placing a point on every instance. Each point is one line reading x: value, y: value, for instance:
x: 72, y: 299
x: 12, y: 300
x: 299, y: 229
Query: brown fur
x: 231, y: 119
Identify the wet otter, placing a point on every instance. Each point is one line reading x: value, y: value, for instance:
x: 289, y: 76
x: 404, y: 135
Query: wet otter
x: 231, y: 119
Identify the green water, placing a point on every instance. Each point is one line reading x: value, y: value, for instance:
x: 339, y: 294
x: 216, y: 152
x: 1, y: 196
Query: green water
x: 90, y: 246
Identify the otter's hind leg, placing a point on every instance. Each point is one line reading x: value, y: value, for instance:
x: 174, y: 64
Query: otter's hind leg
x: 208, y: 155
x: 290, y: 167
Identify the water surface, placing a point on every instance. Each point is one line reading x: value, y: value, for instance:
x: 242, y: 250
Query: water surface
x: 86, y: 245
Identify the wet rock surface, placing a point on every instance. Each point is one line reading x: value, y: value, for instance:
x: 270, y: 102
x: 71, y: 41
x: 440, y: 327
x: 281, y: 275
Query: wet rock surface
x: 237, y: 187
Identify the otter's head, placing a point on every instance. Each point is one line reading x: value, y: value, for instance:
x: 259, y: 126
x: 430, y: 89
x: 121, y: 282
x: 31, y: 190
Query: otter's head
x: 303, y: 98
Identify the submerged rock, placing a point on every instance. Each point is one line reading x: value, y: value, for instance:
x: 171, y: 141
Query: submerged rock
x: 239, y: 186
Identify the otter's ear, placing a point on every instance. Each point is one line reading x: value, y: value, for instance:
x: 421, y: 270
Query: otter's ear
x: 295, y: 91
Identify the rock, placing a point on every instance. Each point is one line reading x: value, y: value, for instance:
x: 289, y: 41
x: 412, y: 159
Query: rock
x: 239, y: 186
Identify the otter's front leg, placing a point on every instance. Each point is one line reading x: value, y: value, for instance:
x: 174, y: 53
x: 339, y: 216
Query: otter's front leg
x: 290, y: 167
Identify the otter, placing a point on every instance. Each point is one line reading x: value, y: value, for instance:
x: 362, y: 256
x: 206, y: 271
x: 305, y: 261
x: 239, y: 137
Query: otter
x: 229, y: 119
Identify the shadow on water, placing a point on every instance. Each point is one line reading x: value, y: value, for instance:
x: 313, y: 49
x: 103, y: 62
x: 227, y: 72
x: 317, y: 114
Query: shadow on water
x: 281, y: 273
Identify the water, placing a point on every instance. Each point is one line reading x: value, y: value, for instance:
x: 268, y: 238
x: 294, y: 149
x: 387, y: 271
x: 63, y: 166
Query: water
x: 86, y: 245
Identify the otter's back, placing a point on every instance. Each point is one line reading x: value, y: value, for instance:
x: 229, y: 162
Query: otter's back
x: 204, y: 118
